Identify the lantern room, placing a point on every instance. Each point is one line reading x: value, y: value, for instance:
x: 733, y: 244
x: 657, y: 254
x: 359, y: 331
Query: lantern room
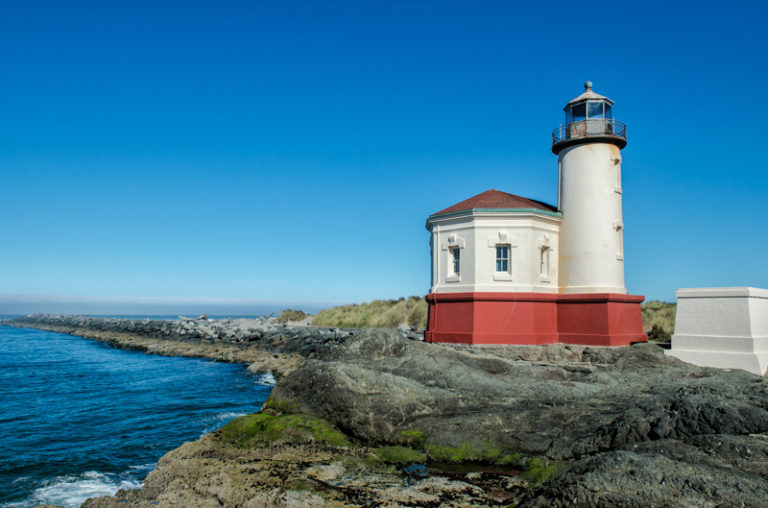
x: 588, y: 106
x: 589, y: 116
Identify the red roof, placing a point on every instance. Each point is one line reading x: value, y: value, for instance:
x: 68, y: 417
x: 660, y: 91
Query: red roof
x: 497, y: 199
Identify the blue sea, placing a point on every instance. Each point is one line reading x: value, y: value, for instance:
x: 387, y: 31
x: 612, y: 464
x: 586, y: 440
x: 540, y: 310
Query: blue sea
x: 80, y: 419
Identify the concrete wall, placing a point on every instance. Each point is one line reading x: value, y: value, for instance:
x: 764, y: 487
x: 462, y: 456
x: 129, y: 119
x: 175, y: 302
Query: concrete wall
x: 591, y: 249
x: 476, y: 234
x: 722, y: 327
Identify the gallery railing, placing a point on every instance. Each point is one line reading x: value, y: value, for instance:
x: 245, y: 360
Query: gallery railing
x: 588, y: 128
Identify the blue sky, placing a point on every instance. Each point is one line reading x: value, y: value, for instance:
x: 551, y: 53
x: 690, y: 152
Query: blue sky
x: 291, y: 151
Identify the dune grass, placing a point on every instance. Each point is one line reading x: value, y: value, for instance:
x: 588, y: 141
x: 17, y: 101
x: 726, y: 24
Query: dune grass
x: 291, y: 315
x: 659, y: 319
x: 411, y: 311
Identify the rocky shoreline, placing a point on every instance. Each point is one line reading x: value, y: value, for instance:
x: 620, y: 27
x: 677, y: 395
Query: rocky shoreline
x: 370, y: 418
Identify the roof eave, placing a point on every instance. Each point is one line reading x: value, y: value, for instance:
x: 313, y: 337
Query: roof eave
x: 585, y: 97
x: 474, y: 211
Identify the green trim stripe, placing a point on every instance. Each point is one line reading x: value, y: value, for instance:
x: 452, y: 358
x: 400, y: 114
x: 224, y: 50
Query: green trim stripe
x: 505, y: 210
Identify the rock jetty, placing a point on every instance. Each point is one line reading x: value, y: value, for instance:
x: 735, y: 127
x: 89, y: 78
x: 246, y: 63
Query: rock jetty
x: 370, y: 418
x: 264, y: 344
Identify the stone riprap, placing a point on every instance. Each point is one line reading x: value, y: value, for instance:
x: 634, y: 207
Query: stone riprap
x: 263, y: 343
x: 233, y: 331
x: 373, y: 419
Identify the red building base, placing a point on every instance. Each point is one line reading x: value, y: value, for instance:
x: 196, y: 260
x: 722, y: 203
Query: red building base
x: 600, y: 319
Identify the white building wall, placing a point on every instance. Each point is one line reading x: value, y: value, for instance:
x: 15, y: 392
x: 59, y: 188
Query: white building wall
x: 454, y: 233
x: 591, y: 233
x: 477, y: 235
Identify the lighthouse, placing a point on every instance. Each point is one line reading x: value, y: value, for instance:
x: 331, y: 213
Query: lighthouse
x: 588, y: 148
x: 506, y: 269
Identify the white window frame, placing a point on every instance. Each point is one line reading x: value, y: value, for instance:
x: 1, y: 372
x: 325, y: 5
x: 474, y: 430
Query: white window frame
x: 452, y: 241
x: 508, y: 259
x: 544, y: 262
x: 454, y: 262
x: 507, y: 239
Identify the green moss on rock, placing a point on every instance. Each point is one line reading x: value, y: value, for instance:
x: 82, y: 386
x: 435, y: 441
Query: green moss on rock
x: 538, y: 470
x: 471, y: 452
x: 414, y: 438
x: 282, y: 405
x: 265, y: 427
x: 400, y: 455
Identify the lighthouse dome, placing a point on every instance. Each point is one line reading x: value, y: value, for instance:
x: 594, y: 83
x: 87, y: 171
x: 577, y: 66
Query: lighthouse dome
x: 588, y: 95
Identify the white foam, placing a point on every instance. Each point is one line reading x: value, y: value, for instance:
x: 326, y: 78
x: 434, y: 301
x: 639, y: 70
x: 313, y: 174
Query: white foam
x: 229, y: 416
x: 219, y: 419
x: 266, y: 380
x: 72, y: 491
x: 143, y: 467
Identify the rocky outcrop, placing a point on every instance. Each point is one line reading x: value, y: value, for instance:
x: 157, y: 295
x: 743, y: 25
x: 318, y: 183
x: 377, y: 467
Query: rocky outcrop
x: 374, y: 419
x: 559, y: 401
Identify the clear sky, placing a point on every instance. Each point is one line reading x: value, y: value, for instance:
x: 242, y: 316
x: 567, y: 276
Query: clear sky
x: 291, y: 151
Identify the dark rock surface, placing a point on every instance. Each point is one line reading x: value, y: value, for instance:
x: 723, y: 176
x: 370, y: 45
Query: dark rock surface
x: 627, y: 426
x: 591, y: 426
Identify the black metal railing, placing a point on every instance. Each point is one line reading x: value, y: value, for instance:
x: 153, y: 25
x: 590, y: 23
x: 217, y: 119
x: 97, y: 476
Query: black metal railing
x: 589, y: 128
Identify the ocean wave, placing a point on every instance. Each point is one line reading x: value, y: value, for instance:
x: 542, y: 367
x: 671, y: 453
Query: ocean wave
x: 266, y: 380
x: 219, y: 420
x: 142, y: 468
x: 72, y: 491
x: 229, y: 416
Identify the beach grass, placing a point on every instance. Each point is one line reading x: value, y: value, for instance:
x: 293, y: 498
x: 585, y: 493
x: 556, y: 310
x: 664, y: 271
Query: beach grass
x: 411, y: 311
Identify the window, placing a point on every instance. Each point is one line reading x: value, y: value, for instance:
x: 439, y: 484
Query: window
x: 620, y: 240
x: 578, y: 112
x: 544, y: 263
x: 502, y: 259
x: 595, y: 109
x: 455, y: 261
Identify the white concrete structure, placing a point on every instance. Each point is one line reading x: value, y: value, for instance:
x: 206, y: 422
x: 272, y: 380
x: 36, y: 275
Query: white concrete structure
x: 504, y: 243
x: 591, y: 235
x: 722, y: 327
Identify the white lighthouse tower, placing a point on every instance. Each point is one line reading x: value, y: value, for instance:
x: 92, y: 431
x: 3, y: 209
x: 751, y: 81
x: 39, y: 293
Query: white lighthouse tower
x: 588, y: 147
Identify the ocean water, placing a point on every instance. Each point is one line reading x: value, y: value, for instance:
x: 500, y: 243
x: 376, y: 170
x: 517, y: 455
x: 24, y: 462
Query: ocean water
x: 81, y: 419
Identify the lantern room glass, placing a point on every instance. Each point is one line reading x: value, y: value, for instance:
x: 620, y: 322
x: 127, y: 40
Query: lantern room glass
x: 588, y: 110
x: 595, y: 110
x: 578, y: 112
